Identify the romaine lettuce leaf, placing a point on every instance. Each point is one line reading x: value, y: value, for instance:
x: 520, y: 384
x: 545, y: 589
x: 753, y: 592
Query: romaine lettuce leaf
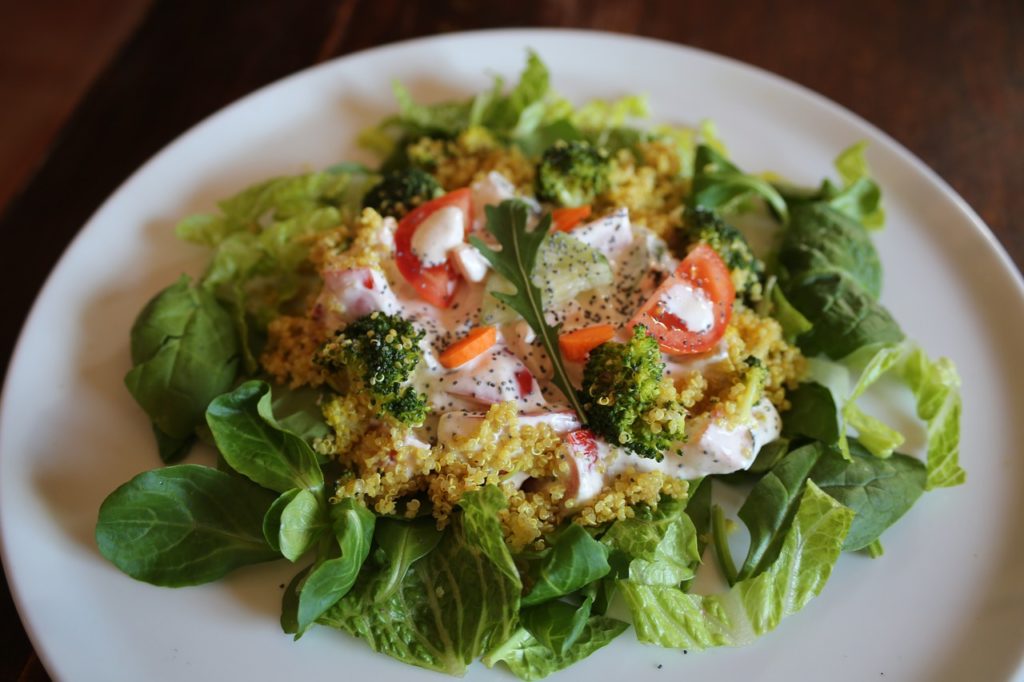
x: 454, y: 604
x: 656, y: 548
x: 669, y: 617
x: 528, y: 659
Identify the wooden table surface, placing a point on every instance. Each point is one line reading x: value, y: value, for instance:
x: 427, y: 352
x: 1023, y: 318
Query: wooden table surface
x: 944, y: 78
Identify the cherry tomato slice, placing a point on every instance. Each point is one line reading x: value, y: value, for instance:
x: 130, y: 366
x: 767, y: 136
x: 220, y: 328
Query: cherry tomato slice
x: 702, y: 269
x: 436, y: 284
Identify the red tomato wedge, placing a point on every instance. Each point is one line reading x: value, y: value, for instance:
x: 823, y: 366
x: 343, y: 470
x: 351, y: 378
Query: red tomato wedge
x: 436, y: 284
x: 702, y: 270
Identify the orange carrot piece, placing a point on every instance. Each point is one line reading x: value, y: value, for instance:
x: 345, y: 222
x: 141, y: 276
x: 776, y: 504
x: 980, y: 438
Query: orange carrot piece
x: 575, y: 345
x: 566, y: 219
x: 473, y: 344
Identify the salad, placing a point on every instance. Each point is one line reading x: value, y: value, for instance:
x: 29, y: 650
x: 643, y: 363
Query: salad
x: 483, y: 394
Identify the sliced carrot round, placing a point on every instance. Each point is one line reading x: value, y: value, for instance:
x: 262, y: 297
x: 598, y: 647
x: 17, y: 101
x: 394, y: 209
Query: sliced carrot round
x: 575, y: 345
x: 465, y: 349
x: 566, y: 219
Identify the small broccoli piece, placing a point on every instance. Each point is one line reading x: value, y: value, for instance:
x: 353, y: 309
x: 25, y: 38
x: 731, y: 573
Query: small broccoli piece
x: 628, y: 400
x: 704, y: 226
x: 572, y: 173
x: 400, y: 191
x: 378, y: 353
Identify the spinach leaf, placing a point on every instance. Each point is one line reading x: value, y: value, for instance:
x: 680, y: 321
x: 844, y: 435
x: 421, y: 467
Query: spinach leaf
x: 812, y: 414
x: 844, y: 317
x: 184, y: 354
x: 454, y: 604
x: 820, y: 239
x: 183, y: 525
x: 719, y: 185
x: 669, y: 617
x: 556, y: 624
x: 880, y: 491
x: 659, y: 548
x: 330, y: 580
x: 529, y: 659
x: 254, y: 445
x: 573, y: 560
x: 771, y: 505
x: 403, y: 544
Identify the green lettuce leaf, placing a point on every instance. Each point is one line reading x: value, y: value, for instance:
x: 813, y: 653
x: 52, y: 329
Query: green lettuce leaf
x: 936, y: 389
x: 655, y: 548
x: 454, y: 604
x: 669, y: 617
x: 529, y: 659
x: 260, y: 237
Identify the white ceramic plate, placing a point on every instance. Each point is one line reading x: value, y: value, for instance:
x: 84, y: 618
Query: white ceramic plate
x: 945, y: 602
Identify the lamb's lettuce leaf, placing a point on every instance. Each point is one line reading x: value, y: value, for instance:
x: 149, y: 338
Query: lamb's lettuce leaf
x: 184, y: 525
x: 253, y: 443
x: 332, y: 577
x: 669, y: 617
x: 719, y: 185
x: 453, y: 605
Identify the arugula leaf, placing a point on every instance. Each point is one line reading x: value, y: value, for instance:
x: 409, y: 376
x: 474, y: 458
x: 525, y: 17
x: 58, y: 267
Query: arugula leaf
x: 330, y: 580
x: 454, y: 604
x: 515, y: 262
x: 529, y: 659
x: 184, y: 525
x: 880, y: 491
x: 403, y: 543
x: 253, y: 444
x: 573, y: 560
x: 719, y: 185
x: 669, y: 617
x: 771, y: 506
x: 185, y: 353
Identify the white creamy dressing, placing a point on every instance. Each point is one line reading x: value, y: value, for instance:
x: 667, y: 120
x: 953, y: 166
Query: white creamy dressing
x: 712, y: 448
x: 510, y: 369
x: 439, y: 233
x: 691, y: 305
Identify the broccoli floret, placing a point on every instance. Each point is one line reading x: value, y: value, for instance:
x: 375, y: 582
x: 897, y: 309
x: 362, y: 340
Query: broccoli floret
x: 378, y: 353
x: 704, y: 226
x: 628, y: 400
x: 572, y: 173
x: 399, y: 192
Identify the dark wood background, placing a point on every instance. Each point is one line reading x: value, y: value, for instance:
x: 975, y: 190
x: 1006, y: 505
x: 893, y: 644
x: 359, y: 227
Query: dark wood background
x: 944, y: 78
